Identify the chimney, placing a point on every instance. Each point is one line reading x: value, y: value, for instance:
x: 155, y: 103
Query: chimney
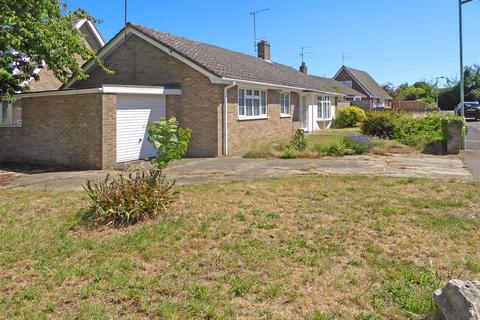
x: 264, y: 50
x: 303, y: 68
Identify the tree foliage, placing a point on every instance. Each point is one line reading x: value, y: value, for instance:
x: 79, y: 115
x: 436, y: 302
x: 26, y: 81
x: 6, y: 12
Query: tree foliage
x: 450, y: 97
x: 35, y: 33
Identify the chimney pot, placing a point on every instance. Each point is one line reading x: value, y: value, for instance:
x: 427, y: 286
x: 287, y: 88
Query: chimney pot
x: 264, y: 50
x: 303, y: 68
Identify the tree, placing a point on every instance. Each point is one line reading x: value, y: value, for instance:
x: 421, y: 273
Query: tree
x: 40, y: 32
x: 450, y: 97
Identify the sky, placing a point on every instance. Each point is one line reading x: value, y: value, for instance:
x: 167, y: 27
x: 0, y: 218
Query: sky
x: 395, y: 41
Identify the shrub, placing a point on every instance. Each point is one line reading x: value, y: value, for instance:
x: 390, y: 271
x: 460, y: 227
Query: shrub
x: 349, y: 117
x: 337, y: 148
x: 131, y: 197
x: 289, y: 153
x: 359, y: 144
x: 170, y: 140
x: 379, y: 124
x: 299, y: 142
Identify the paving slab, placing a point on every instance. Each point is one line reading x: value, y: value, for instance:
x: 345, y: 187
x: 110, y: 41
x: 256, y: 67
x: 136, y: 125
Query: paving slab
x: 194, y: 171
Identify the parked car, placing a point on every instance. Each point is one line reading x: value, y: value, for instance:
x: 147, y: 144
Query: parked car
x: 472, y: 110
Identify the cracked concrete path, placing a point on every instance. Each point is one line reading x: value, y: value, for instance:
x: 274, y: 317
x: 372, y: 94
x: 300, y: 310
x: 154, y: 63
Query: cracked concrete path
x: 192, y: 171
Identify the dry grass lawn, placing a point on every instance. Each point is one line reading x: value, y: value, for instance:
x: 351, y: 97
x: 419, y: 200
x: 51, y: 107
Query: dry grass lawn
x: 291, y: 248
x: 274, y: 149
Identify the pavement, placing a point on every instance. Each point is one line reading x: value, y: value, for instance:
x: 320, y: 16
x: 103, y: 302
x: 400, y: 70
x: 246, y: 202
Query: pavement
x: 194, y: 171
x: 471, y: 156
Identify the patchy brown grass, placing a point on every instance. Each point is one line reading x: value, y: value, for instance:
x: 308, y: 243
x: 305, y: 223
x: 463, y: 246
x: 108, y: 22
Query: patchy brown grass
x: 289, y: 248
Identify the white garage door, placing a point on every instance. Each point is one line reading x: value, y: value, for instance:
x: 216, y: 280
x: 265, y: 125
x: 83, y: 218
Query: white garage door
x: 133, y: 114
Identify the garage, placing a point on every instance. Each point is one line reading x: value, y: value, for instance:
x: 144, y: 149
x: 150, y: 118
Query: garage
x: 133, y: 114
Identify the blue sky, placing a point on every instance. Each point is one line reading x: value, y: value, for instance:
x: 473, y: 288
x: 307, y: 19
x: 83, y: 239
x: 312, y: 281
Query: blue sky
x: 394, y: 40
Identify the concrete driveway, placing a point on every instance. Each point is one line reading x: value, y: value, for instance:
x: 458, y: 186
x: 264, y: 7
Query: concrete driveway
x: 471, y: 156
x: 192, y: 171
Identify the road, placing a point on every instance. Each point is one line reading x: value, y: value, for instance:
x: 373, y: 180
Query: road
x: 472, y: 154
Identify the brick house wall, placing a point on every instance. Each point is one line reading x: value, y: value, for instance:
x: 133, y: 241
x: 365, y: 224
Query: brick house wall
x: 47, y: 81
x: 136, y: 62
x: 243, y: 133
x: 69, y: 130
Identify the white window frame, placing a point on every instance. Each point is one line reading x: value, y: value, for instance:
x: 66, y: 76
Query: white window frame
x: 257, y: 101
x: 285, y: 104
x: 9, y: 121
x: 324, y: 108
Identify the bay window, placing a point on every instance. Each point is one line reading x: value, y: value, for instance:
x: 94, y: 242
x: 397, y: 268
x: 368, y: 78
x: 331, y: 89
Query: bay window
x: 252, y: 104
x: 324, y: 108
x: 285, y: 104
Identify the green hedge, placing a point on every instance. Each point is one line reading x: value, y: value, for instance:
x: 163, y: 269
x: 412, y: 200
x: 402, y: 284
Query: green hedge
x: 349, y: 117
x: 416, y: 131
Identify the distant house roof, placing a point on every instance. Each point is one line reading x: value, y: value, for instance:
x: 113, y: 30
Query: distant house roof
x: 367, y: 82
x: 230, y: 65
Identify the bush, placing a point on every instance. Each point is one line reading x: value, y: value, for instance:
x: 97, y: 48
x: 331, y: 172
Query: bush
x: 299, y: 142
x: 379, y: 124
x: 337, y: 148
x: 170, y: 140
x: 349, y: 117
x: 130, y: 198
x: 289, y: 153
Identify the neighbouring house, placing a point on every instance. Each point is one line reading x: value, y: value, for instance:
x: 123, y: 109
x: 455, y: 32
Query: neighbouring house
x: 10, y: 116
x: 228, y: 99
x: 375, y: 96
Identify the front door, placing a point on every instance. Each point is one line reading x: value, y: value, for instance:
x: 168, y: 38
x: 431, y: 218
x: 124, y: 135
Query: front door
x: 304, y: 113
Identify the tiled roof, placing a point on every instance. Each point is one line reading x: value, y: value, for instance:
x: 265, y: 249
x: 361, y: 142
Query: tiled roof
x: 369, y: 83
x: 226, y: 63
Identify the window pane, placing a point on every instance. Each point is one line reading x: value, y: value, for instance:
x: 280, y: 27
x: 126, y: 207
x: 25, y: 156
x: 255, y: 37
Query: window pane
x: 264, y: 98
x: 319, y: 110
x: 241, y: 97
x: 249, y: 92
x: 264, y: 110
x: 256, y: 107
x: 248, y: 102
x: 241, y: 110
x: 256, y: 93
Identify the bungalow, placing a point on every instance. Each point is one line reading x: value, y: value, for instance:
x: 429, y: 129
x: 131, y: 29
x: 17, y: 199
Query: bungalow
x: 361, y: 81
x: 228, y: 99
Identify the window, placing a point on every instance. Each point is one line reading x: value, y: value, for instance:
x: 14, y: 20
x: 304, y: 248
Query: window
x: 324, y: 108
x: 348, y: 83
x: 285, y: 104
x: 252, y: 104
x: 10, y: 116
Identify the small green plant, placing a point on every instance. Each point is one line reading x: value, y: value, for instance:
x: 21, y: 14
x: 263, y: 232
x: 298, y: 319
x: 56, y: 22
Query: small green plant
x: 170, y: 141
x: 349, y: 117
x: 289, y: 153
x: 299, y: 141
x: 130, y: 198
x: 337, y: 148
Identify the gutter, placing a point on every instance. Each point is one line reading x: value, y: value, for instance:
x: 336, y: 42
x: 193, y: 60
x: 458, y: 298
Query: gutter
x: 225, y: 116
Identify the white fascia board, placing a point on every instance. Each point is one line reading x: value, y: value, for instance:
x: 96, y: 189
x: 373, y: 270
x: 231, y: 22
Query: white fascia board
x: 95, y: 31
x: 117, y: 89
x: 92, y: 27
x: 139, y: 90
x: 56, y: 93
